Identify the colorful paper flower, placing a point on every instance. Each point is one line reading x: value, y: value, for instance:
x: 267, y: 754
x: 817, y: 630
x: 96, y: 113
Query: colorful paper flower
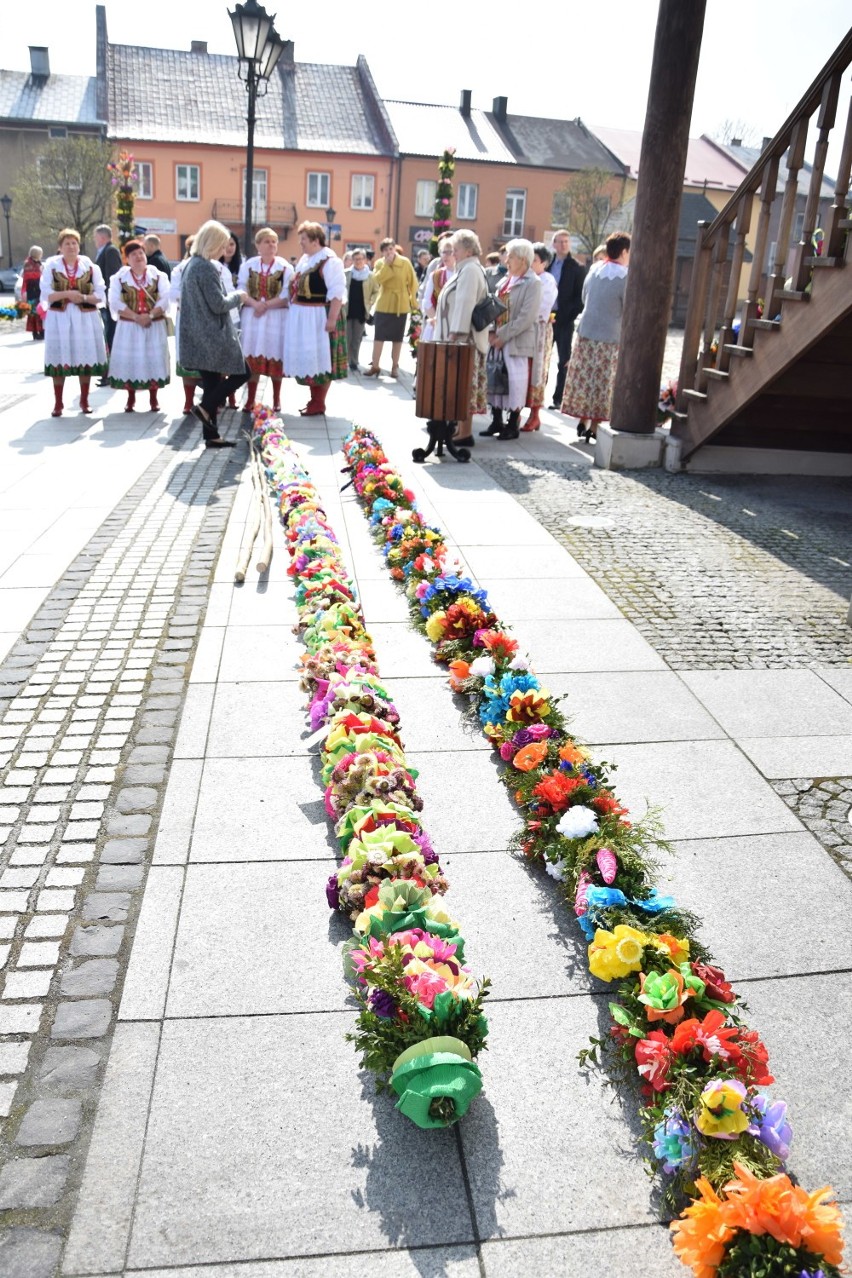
x: 720, y: 1109
x: 614, y: 954
x: 675, y: 1145
x: 578, y: 822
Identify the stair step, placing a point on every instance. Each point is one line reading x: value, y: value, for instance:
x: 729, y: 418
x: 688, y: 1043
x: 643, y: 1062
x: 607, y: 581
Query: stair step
x: 768, y: 326
x: 825, y: 261
x: 716, y: 374
x: 791, y: 295
x: 694, y: 394
x: 733, y: 349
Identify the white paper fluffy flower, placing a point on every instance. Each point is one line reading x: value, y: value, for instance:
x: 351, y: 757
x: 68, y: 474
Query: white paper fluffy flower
x: 519, y: 662
x: 482, y: 666
x: 578, y: 822
x: 556, y: 871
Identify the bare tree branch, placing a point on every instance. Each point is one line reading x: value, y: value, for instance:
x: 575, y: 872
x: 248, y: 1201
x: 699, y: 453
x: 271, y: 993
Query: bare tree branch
x: 66, y: 185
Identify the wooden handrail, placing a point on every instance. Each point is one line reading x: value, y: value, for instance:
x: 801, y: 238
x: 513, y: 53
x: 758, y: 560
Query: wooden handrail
x: 706, y: 313
x: 837, y: 63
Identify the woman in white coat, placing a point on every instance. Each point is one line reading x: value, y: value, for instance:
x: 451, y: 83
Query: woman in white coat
x: 454, y: 320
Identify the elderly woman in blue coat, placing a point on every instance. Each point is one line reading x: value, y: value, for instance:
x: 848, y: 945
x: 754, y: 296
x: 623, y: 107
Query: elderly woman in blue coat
x: 208, y: 340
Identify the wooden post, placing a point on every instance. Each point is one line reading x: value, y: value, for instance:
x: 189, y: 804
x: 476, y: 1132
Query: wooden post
x: 662, y: 163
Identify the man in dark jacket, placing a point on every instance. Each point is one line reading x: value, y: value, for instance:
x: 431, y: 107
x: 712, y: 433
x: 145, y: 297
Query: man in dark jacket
x: 155, y: 255
x: 108, y: 259
x: 569, y: 276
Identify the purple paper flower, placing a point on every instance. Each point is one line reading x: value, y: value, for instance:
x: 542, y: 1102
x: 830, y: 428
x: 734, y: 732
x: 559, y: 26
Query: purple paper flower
x: 771, y: 1126
x: 430, y: 856
x: 332, y: 892
x: 522, y: 737
x: 383, y: 1005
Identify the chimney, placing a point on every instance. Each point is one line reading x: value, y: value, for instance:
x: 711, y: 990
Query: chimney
x: 288, y: 55
x: 39, y: 62
x: 764, y: 144
x: 464, y: 105
x: 198, y: 46
x: 498, y: 107
x: 736, y: 141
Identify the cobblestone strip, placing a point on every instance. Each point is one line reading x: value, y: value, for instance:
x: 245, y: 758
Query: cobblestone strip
x: 87, y: 736
x: 825, y: 807
x: 716, y: 572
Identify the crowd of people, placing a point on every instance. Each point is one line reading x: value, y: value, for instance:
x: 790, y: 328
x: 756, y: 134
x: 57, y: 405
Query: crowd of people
x: 237, y: 320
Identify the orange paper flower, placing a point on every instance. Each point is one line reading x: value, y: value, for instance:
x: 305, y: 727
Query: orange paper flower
x: 459, y: 671
x: 530, y: 756
x: 774, y: 1206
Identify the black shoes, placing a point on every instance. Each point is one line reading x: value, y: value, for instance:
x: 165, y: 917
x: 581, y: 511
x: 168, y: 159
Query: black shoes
x: 496, y: 423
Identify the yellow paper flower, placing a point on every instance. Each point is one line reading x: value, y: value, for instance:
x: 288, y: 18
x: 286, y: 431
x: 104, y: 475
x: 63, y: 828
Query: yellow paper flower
x: 720, y: 1111
x: 435, y: 626
x: 675, y: 946
x: 615, y: 954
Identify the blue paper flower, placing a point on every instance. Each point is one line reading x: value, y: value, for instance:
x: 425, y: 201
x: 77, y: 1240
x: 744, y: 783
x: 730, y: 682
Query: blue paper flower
x: 674, y: 1141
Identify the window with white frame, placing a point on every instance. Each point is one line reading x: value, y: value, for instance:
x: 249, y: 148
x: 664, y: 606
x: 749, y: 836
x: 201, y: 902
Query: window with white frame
x: 363, y: 190
x: 424, y: 198
x: 513, y: 218
x: 466, y: 201
x: 319, y: 190
x: 259, y: 195
x: 187, y: 182
x: 144, y: 180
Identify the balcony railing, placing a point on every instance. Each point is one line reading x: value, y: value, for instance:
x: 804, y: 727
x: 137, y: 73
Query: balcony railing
x: 280, y: 216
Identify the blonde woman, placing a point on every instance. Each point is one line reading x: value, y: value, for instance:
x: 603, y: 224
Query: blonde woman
x: 72, y: 291
x: 208, y: 341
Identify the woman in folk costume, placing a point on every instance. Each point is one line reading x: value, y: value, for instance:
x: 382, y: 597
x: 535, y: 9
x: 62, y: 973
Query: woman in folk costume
x: 543, y: 336
x: 434, y: 282
x: 139, y: 301
x: 315, y: 335
x: 72, y: 291
x: 31, y: 291
x: 266, y: 281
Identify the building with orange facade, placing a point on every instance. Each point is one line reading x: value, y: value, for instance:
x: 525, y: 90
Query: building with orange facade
x: 323, y: 143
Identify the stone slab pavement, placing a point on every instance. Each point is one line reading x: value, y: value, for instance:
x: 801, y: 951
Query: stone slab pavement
x: 200, y: 1109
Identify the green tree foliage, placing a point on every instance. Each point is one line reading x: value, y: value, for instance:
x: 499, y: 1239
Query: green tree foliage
x: 67, y: 184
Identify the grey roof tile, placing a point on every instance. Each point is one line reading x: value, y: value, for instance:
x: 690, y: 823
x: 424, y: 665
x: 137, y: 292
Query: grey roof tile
x: 171, y: 96
x: 55, y: 99
x: 554, y: 144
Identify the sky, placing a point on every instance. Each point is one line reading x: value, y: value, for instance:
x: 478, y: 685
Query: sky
x: 757, y: 57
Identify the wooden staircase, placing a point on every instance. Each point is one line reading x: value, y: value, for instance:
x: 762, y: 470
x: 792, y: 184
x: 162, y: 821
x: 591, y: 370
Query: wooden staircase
x: 782, y: 377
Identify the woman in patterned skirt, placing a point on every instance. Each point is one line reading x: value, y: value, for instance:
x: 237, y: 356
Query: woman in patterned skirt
x: 594, y: 358
x: 315, y: 335
x: 31, y: 291
x: 72, y: 291
x: 139, y: 301
x: 265, y: 280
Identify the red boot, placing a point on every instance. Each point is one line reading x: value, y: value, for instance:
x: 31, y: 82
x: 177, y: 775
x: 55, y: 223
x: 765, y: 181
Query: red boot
x: 189, y: 385
x: 532, y: 422
x: 84, y: 394
x: 152, y: 396
x: 251, y: 394
x: 276, y: 394
x: 316, y: 405
x: 58, y: 384
x: 130, y: 406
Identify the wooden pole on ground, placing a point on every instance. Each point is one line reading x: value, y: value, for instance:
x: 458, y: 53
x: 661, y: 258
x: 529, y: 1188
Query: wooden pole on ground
x: 662, y: 163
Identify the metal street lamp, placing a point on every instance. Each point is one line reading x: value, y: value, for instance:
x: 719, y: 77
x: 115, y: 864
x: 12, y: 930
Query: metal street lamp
x: 329, y: 219
x: 6, y: 202
x: 258, y: 49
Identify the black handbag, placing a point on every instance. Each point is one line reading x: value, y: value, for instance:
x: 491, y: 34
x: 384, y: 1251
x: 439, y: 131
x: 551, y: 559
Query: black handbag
x: 496, y: 373
x: 486, y: 312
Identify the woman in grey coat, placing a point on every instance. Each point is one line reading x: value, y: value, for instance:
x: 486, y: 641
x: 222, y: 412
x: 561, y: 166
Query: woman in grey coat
x: 208, y: 340
x: 515, y: 335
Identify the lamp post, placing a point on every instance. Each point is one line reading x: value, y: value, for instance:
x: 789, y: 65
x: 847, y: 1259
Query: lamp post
x: 6, y: 201
x: 330, y: 214
x: 258, y: 49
